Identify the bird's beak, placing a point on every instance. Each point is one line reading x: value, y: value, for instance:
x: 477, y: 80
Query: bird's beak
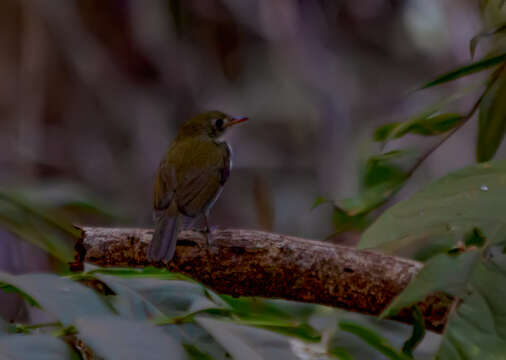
x: 236, y: 121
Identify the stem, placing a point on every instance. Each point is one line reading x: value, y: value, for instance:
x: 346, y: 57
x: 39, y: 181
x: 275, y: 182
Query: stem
x: 465, y: 119
x: 20, y: 328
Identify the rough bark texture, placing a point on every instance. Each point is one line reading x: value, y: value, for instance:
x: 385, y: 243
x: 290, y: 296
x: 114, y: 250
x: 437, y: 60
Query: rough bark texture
x: 255, y: 263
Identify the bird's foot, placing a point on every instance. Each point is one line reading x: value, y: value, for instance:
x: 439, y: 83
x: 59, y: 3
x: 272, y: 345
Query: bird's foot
x: 211, y: 239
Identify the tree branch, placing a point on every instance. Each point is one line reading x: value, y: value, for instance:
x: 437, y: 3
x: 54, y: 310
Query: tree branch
x: 255, y: 263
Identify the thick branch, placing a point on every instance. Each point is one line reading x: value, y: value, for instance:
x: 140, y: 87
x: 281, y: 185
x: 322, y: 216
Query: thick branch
x: 255, y: 263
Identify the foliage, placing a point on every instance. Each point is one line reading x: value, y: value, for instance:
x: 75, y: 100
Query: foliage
x: 148, y: 312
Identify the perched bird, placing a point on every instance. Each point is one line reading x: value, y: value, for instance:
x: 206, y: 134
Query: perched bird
x: 189, y: 179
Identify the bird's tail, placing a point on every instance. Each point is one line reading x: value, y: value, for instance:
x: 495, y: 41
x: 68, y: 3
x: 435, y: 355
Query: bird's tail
x: 163, y: 244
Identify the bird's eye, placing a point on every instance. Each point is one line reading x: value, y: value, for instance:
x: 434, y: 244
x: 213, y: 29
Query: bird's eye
x: 219, y: 124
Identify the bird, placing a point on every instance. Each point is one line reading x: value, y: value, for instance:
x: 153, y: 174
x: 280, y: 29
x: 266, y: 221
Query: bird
x: 189, y: 179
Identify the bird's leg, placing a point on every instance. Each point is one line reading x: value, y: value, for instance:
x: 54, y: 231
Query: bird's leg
x: 208, y: 231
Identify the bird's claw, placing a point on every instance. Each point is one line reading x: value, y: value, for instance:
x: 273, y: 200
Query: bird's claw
x: 211, y: 239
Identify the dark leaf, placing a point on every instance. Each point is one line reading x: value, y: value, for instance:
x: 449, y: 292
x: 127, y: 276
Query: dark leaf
x: 472, y: 68
x: 34, y: 347
x: 442, y: 273
x: 448, y: 208
x: 436, y: 125
x: 224, y: 333
x: 195, y: 354
x: 492, y: 119
x: 116, y: 338
x: 475, y: 238
x: 372, y: 339
x: 63, y: 298
x: 147, y: 272
x: 384, y: 132
x: 319, y: 201
x: 417, y: 334
x: 128, y: 302
x: 477, y: 327
x: 340, y: 352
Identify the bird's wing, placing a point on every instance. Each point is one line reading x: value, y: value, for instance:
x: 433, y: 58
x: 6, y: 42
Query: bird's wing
x: 165, y: 186
x: 200, y: 186
x: 198, y: 191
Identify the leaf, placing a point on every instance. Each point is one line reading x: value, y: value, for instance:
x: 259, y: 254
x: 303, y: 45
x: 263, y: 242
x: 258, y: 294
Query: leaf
x: 63, y: 298
x: 251, y: 312
x: 340, y: 353
x: 195, y: 354
x: 477, y: 327
x: 319, y: 201
x: 417, y: 334
x: 7, y: 288
x: 237, y: 346
x: 474, y: 41
x: 449, y: 207
x: 442, y: 273
x: 128, y: 302
x: 475, y: 238
x: 34, y: 347
x: 372, y: 197
x: 192, y: 334
x: 436, y: 125
x: 37, y: 233
x: 116, y: 338
x: 372, y: 339
x: 472, y: 68
x: 172, y: 297
x: 19, y: 201
x: 492, y: 119
x: 131, y: 273
x: 384, y: 132
x: 425, y: 124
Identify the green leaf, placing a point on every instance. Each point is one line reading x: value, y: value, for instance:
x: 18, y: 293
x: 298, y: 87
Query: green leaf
x: 251, y: 312
x: 128, y: 302
x: 38, y: 233
x: 475, y: 238
x: 340, y: 352
x: 474, y: 41
x: 417, y: 334
x: 425, y: 124
x: 472, y: 68
x: 195, y: 354
x: 384, y: 132
x: 34, y: 347
x: 319, y: 201
x: 116, y: 338
x: 193, y: 334
x: 131, y: 273
x: 442, y: 273
x: 449, y: 207
x: 224, y: 333
x: 436, y: 125
x: 477, y: 327
x: 7, y: 288
x: 492, y: 119
x: 372, y: 339
x: 372, y: 197
x: 63, y: 298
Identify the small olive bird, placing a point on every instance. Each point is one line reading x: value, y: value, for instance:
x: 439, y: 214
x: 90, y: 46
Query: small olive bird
x: 189, y: 179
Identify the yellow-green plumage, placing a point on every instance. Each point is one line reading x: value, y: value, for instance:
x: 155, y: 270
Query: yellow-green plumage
x: 189, y: 178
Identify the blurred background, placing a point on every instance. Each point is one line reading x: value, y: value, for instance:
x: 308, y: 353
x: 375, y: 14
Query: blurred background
x: 92, y: 93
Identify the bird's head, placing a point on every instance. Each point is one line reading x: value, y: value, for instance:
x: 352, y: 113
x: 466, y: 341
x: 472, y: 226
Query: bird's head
x: 210, y: 123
